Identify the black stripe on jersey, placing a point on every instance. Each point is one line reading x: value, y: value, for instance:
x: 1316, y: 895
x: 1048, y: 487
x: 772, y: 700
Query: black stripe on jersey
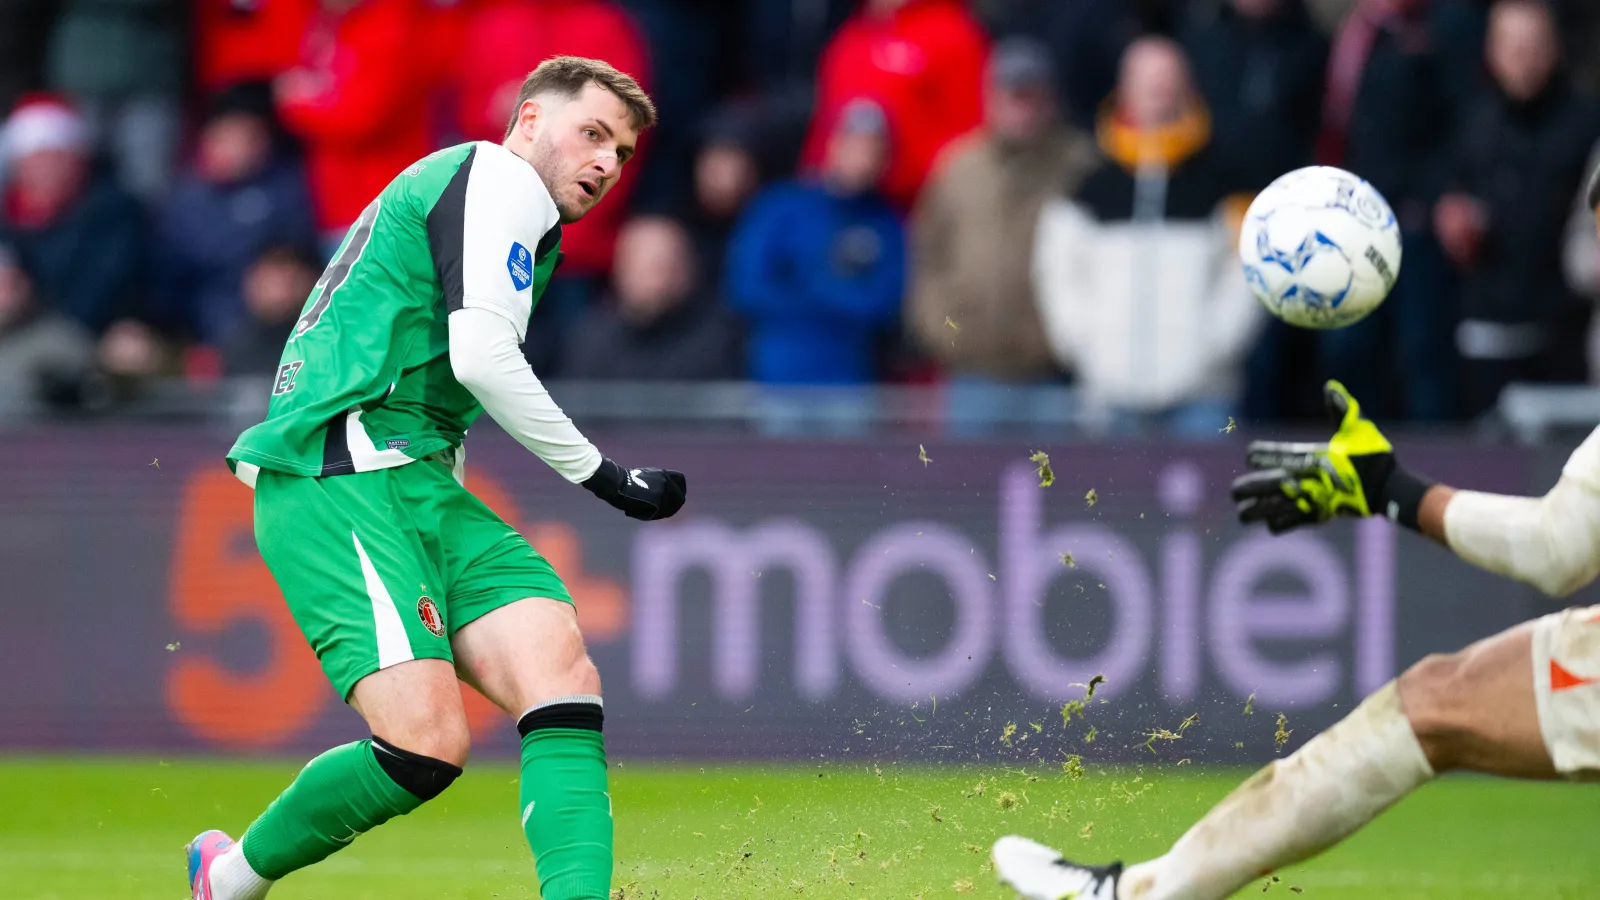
x: 333, y: 277
x: 447, y: 227
x: 336, y: 459
x: 548, y: 242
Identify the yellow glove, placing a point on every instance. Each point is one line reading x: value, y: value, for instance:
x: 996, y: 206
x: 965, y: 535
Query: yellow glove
x: 1353, y: 474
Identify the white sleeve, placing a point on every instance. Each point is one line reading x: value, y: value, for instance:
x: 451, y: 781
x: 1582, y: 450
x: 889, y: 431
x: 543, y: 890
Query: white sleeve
x: 486, y: 359
x: 1551, y: 542
x: 490, y: 231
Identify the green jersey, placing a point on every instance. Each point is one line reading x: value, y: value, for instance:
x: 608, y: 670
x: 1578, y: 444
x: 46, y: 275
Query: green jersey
x: 365, y: 381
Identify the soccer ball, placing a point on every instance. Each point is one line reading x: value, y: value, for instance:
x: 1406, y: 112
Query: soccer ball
x: 1320, y: 248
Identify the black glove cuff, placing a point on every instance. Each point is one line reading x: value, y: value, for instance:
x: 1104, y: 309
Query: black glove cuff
x: 1404, y: 492
x: 1391, y: 491
x: 606, y: 480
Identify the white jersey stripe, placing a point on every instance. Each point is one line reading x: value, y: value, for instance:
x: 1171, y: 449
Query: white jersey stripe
x: 364, y: 454
x: 247, y: 472
x: 393, y: 645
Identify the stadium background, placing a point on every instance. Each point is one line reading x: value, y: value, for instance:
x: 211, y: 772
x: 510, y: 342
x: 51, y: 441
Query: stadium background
x: 865, y: 616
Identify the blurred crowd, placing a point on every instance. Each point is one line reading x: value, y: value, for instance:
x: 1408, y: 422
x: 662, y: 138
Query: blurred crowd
x: 988, y: 195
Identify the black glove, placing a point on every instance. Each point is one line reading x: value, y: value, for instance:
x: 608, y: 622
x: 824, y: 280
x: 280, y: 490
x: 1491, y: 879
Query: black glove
x: 644, y: 494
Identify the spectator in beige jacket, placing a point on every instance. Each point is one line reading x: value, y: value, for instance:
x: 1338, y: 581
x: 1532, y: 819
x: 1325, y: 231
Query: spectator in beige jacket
x: 972, y: 306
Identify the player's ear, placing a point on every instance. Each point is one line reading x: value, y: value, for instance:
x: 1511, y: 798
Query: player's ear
x: 528, y: 114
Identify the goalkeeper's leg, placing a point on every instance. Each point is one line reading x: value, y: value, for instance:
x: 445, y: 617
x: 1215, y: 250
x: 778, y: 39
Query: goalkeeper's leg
x: 418, y: 746
x: 1520, y: 704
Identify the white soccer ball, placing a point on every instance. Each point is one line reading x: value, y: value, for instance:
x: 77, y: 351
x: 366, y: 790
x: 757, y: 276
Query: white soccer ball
x: 1320, y: 248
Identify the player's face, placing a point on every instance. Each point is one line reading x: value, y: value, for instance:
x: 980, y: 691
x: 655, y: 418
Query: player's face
x: 580, y: 149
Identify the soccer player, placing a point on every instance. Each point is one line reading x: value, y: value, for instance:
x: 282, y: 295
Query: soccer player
x: 1522, y: 704
x: 401, y: 580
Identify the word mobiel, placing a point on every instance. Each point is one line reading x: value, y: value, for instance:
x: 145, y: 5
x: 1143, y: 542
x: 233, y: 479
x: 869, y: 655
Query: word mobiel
x: 1167, y: 613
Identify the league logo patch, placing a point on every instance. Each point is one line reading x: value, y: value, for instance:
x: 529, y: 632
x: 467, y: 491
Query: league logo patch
x: 432, y: 619
x: 520, y: 264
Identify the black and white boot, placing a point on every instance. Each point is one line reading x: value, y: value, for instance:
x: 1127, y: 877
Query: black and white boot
x: 1037, y: 872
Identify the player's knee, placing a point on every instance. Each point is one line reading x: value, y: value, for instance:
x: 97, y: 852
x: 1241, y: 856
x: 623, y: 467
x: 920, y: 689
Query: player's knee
x: 1437, y: 702
x: 423, y: 776
x: 436, y: 733
x: 582, y: 677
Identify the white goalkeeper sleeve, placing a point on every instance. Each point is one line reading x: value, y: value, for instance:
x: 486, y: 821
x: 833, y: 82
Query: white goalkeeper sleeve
x: 487, y: 360
x: 1551, y: 542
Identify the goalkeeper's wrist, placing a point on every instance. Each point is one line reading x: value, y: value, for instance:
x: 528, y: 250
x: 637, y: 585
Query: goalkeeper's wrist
x: 1391, y: 491
x: 1402, y: 497
x: 1405, y: 494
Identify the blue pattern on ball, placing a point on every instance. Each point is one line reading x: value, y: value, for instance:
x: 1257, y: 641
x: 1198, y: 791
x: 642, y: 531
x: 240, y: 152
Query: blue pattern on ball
x: 1295, y: 262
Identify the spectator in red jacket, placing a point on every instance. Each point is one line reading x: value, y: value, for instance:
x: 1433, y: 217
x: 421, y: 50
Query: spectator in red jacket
x: 922, y: 61
x: 502, y: 41
x: 358, y: 101
x: 247, y: 40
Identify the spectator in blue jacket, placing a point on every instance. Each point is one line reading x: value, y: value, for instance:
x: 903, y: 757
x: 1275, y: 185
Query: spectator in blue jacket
x: 239, y: 197
x: 818, y: 266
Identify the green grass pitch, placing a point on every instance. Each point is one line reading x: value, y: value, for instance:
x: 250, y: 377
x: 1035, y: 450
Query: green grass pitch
x: 114, y: 828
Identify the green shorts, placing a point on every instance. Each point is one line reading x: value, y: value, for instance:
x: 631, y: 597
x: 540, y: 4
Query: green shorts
x: 383, y: 567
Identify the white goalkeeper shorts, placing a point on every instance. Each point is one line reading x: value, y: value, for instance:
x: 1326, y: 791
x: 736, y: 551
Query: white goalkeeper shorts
x: 1566, y: 685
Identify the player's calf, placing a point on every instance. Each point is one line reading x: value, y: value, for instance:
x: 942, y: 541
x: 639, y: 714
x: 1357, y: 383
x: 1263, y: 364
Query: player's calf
x: 337, y: 797
x: 419, y: 740
x: 341, y: 794
x: 566, y: 801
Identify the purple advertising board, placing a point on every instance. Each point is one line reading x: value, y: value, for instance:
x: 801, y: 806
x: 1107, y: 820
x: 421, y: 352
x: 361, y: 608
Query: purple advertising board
x: 831, y: 599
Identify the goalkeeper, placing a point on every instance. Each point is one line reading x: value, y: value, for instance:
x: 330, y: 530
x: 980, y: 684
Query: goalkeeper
x: 1522, y: 704
x: 401, y: 580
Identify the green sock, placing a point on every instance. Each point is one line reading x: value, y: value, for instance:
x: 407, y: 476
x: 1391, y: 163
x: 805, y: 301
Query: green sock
x: 566, y: 806
x: 338, y: 795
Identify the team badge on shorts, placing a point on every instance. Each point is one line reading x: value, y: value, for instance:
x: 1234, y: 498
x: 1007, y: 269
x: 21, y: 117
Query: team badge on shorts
x: 428, y: 612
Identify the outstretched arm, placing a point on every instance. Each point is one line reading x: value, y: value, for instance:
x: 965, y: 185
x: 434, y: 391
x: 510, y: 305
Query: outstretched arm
x: 1551, y: 542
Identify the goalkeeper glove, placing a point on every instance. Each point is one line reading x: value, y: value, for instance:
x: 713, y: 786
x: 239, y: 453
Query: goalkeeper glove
x: 1353, y: 474
x: 644, y: 494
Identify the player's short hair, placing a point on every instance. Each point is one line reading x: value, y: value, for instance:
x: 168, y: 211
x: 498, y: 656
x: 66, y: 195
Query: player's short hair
x: 567, y: 76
